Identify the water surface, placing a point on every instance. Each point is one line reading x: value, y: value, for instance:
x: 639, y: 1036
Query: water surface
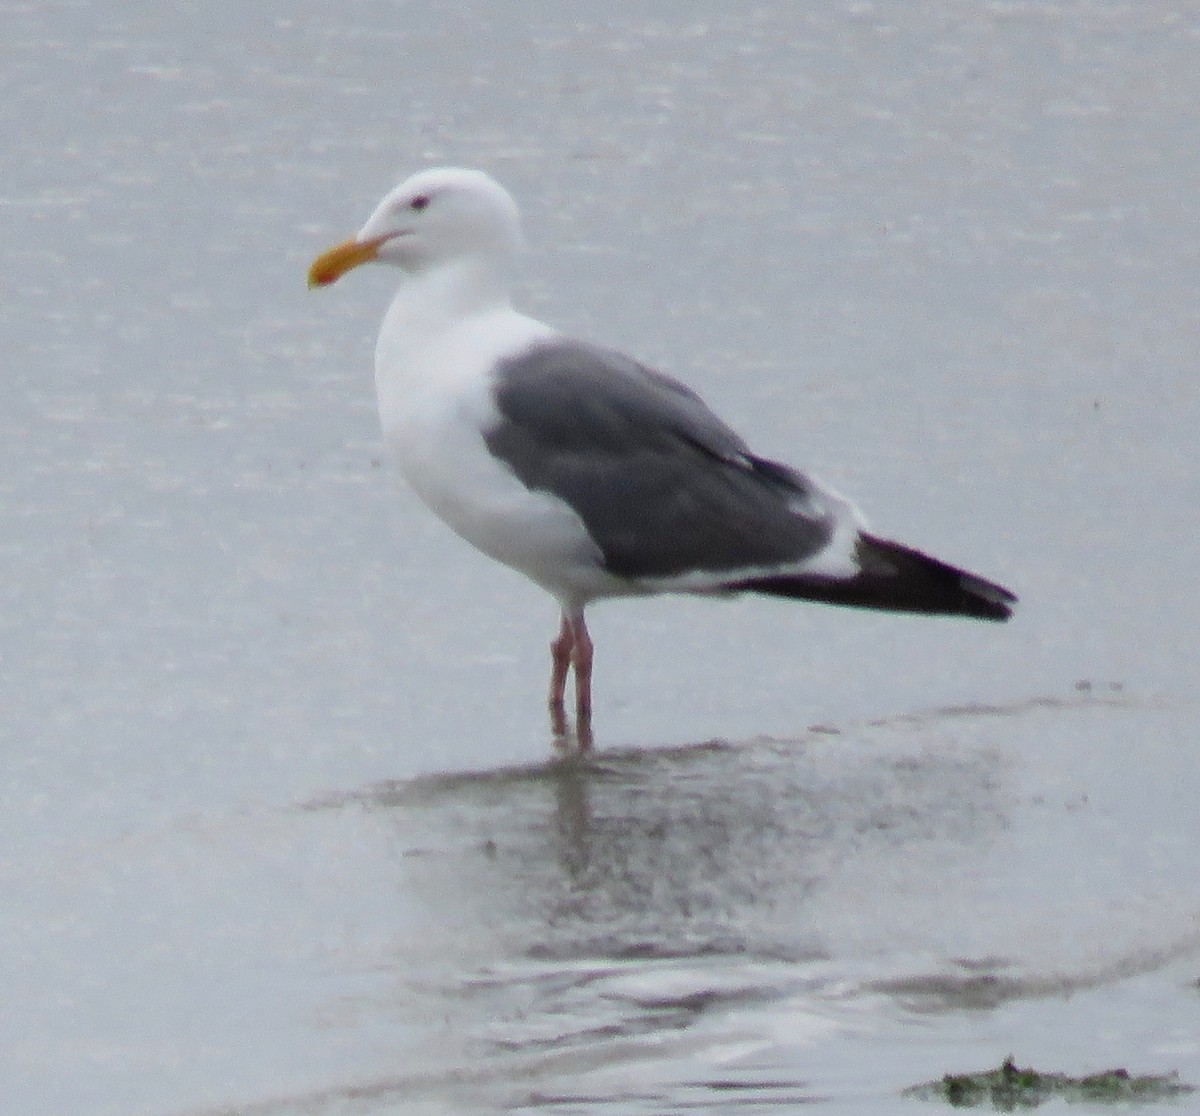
x: 281, y: 826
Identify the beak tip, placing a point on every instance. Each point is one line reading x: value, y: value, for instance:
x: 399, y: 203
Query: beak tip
x: 332, y: 264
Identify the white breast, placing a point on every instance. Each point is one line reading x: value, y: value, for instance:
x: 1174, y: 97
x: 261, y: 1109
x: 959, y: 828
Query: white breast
x: 435, y: 402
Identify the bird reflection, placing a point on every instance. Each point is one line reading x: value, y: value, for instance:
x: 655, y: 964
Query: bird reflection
x: 696, y: 850
x: 573, y: 816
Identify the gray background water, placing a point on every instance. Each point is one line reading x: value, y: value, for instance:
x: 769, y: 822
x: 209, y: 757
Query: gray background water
x: 944, y: 255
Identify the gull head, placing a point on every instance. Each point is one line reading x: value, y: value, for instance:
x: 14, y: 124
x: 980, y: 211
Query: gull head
x: 438, y: 216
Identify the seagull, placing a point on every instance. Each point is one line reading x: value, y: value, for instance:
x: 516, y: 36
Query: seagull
x: 576, y: 465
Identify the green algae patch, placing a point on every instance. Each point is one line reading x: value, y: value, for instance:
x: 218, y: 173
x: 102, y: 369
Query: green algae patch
x: 1011, y: 1088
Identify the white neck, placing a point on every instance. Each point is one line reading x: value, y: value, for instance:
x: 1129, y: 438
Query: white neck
x: 433, y: 306
x: 433, y: 300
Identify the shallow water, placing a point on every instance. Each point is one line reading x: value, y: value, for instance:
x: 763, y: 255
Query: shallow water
x: 281, y: 826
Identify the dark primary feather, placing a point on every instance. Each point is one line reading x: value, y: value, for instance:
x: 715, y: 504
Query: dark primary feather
x: 895, y: 578
x: 663, y: 486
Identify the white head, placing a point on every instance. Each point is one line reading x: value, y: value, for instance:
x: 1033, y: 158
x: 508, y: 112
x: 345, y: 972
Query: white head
x: 438, y: 216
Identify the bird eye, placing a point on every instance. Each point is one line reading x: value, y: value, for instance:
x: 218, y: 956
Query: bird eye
x: 419, y: 202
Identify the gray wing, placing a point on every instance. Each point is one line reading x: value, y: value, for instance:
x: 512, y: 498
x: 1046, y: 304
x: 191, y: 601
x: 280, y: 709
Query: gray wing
x: 663, y: 486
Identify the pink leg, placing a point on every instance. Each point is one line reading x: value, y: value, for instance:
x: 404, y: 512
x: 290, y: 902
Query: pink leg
x: 560, y: 663
x: 581, y: 656
x: 572, y: 647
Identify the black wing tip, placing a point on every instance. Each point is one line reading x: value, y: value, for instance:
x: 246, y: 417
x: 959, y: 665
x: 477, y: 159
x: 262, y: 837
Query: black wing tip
x: 922, y: 583
x: 986, y: 600
x: 895, y: 578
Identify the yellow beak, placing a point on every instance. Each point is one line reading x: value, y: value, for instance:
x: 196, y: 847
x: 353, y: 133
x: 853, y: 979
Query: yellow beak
x: 333, y: 263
